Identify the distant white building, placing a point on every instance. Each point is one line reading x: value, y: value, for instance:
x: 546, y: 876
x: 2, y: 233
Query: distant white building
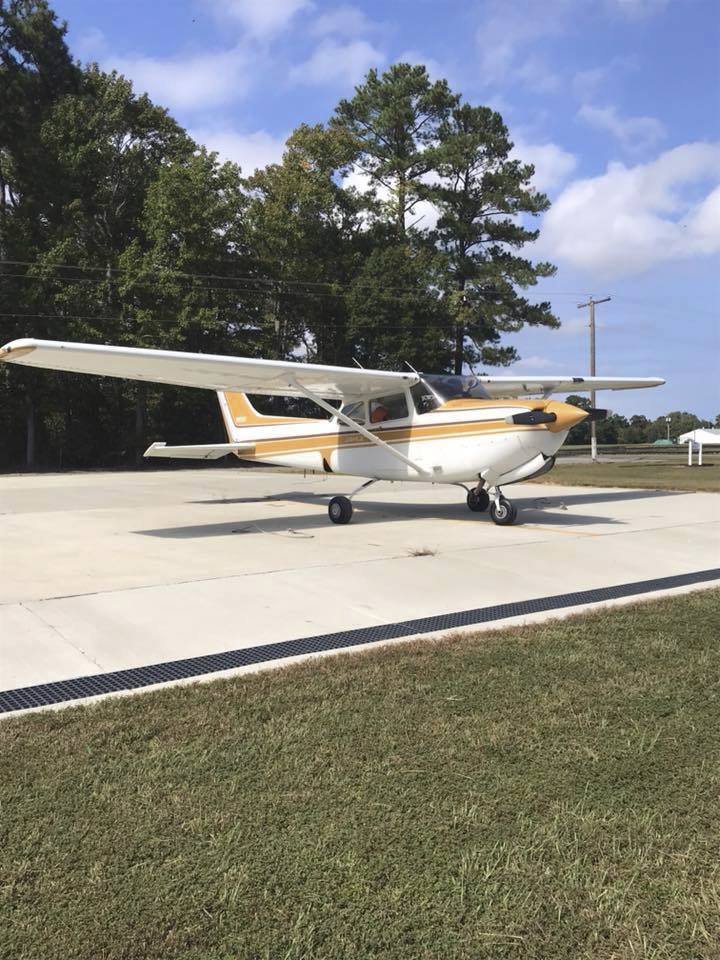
x: 697, y: 439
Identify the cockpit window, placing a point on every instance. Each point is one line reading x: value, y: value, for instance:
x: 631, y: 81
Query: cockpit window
x: 456, y: 386
x: 423, y: 397
x: 393, y: 407
x: 355, y: 411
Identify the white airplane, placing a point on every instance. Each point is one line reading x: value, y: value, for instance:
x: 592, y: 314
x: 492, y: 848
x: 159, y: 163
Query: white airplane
x: 436, y: 428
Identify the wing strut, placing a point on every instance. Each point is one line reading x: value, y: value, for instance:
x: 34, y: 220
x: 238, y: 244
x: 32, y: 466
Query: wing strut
x: 359, y: 428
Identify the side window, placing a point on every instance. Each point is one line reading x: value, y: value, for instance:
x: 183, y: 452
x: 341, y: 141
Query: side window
x: 393, y: 407
x: 423, y: 398
x: 355, y: 411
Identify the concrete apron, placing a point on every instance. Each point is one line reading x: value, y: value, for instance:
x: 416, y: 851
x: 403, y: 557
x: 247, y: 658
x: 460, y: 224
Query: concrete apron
x: 108, y: 572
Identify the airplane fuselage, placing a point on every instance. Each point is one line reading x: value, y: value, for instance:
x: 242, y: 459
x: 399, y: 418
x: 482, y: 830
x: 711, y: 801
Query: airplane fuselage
x: 459, y: 441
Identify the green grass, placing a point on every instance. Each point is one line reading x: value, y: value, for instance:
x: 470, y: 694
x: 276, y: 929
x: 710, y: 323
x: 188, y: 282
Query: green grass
x: 664, y: 475
x: 544, y: 792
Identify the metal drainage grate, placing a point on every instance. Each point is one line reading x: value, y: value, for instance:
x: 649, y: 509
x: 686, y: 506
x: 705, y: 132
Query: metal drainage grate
x: 62, y: 691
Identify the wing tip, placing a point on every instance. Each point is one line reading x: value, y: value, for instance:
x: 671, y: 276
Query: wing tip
x: 16, y: 349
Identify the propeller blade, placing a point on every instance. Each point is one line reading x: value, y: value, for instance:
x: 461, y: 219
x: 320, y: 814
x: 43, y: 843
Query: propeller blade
x: 596, y: 414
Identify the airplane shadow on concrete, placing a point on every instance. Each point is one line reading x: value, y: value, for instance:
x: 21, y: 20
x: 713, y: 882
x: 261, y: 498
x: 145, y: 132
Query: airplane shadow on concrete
x: 546, y: 510
x: 605, y: 496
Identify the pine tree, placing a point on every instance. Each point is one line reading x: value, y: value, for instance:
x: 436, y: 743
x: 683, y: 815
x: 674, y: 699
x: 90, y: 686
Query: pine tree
x: 483, y: 198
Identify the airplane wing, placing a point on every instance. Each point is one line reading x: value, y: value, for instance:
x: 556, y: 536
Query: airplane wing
x: 269, y: 377
x: 526, y: 386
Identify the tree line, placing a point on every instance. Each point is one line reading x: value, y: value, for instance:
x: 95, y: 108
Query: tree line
x: 637, y: 429
x: 391, y: 234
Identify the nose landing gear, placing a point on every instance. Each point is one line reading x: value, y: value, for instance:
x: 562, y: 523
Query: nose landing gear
x: 503, y: 512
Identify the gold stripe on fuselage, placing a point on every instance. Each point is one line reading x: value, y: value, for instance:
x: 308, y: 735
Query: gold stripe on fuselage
x: 329, y: 443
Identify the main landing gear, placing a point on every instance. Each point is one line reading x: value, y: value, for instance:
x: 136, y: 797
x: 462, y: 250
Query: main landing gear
x: 478, y: 500
x: 502, y: 511
x: 340, y: 509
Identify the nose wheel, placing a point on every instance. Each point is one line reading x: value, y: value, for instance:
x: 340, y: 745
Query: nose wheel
x: 503, y: 512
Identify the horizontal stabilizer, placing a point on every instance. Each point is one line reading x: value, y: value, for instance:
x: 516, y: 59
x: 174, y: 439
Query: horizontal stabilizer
x: 200, y: 451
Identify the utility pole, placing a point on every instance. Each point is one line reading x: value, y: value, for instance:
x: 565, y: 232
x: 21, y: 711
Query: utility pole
x: 593, y: 427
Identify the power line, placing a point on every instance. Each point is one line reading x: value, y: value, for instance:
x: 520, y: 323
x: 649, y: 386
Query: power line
x: 272, y: 282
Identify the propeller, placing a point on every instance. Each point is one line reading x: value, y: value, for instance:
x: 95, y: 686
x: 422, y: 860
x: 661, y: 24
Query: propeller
x: 596, y: 414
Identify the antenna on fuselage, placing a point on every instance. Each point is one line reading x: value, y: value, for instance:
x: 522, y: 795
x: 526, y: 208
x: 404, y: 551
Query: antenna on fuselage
x: 411, y: 367
x: 357, y: 363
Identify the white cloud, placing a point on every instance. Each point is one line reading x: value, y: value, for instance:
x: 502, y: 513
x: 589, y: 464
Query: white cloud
x: 345, y: 21
x: 334, y: 62
x: 587, y: 83
x: 553, y: 165
x: 536, y: 75
x: 508, y: 30
x: 633, y: 133
x: 249, y: 150
x: 261, y: 18
x: 436, y: 70
x: 704, y: 223
x: 198, y: 81
x: 632, y: 218
x: 577, y: 326
x: 91, y: 44
x: 534, y: 363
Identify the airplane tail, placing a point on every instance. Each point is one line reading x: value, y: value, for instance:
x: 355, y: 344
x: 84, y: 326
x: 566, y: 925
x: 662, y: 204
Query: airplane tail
x: 240, y: 417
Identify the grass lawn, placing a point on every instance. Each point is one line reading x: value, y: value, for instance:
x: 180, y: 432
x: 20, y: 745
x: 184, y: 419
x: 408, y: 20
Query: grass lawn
x: 666, y: 475
x: 544, y: 792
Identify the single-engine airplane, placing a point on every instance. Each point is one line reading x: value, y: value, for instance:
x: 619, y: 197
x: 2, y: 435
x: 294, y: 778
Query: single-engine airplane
x: 482, y: 430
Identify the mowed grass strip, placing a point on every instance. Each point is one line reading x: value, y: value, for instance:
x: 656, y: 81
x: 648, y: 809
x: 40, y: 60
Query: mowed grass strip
x: 543, y: 792
x: 670, y: 475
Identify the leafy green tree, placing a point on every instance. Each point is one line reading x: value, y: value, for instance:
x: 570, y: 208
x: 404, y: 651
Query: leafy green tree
x: 680, y: 422
x: 609, y: 431
x: 416, y: 141
x: 305, y: 233
x: 483, y: 198
x: 637, y: 430
x: 397, y: 315
x: 36, y: 69
x: 110, y: 145
x: 395, y: 119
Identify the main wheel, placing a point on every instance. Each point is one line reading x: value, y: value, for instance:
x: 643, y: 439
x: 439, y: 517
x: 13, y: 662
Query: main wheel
x: 340, y: 510
x: 503, y: 512
x: 478, y: 500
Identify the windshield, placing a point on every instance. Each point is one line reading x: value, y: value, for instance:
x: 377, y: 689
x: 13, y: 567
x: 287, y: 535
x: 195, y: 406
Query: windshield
x: 454, y: 386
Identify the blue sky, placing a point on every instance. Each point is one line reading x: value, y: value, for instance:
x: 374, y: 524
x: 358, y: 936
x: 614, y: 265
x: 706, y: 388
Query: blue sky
x: 615, y: 101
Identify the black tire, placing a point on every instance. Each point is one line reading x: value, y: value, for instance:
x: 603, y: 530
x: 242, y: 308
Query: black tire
x: 478, y: 500
x: 503, y: 513
x: 340, y: 510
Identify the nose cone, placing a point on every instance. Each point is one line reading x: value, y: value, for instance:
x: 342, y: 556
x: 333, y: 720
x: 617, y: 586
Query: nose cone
x: 567, y: 415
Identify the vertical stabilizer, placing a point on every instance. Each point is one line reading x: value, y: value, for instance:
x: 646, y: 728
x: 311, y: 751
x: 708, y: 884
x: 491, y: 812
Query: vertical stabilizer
x: 238, y: 414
